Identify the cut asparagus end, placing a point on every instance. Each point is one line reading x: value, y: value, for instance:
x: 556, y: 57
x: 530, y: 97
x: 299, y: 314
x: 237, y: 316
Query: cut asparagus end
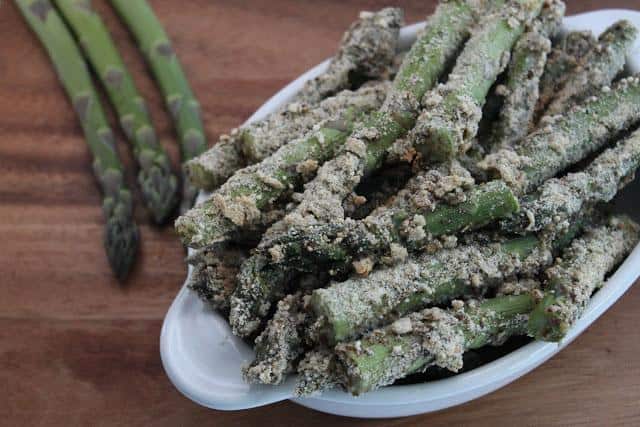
x: 544, y: 323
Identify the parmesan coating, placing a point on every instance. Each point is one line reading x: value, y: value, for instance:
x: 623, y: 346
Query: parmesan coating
x: 366, y: 52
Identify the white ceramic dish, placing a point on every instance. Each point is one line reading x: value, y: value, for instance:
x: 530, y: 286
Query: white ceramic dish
x: 202, y: 358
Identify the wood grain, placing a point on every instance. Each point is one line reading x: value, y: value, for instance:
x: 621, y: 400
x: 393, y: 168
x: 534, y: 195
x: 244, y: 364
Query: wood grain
x: 76, y: 348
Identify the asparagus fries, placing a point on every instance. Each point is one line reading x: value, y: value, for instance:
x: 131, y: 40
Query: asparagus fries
x: 121, y: 233
x: 521, y: 89
x: 155, y: 178
x: 239, y: 202
x: 558, y: 199
x: 185, y: 109
x: 359, y: 303
x: 572, y: 280
x: 366, y: 51
x: 602, y: 64
x: 453, y: 110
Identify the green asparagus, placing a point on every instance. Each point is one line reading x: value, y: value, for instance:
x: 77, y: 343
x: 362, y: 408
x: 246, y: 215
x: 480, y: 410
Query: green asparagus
x: 560, y: 198
x: 166, y: 68
x: 281, y: 343
x: 348, y: 308
x: 599, y: 68
x: 238, y: 204
x: 565, y: 139
x: 432, y: 337
x: 155, y: 178
x: 214, y: 274
x: 366, y: 52
x: 527, y: 64
x: 446, y: 30
x: 562, y: 62
x: 580, y: 271
x: 453, y: 110
x: 410, y: 223
x: 121, y: 233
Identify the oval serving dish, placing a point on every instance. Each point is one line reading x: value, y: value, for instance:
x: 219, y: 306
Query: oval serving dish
x: 203, y: 359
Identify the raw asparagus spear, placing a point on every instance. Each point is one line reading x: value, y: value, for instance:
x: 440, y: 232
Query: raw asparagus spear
x: 561, y: 198
x: 121, y: 233
x: 348, y: 308
x: 580, y: 271
x: 566, y: 139
x: 411, y: 223
x: 214, y: 274
x: 281, y: 344
x: 599, y: 67
x: 158, y: 183
x: 366, y: 52
x: 432, y: 337
x: 364, y: 150
x: 520, y: 90
x: 166, y: 68
x: 453, y: 110
x: 238, y: 204
x: 561, y: 63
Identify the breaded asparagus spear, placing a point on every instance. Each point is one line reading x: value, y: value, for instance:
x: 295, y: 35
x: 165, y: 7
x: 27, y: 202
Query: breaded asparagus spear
x: 598, y: 69
x: 366, y: 52
x: 365, y: 149
x: 562, y: 63
x: 185, y: 109
x: 281, y: 344
x: 238, y: 204
x: 566, y: 139
x: 561, y: 198
x: 453, y: 110
x: 121, y: 233
x: 214, y: 274
x: 351, y: 307
x: 410, y: 223
x: 521, y: 89
x: 580, y: 271
x: 157, y: 182
x: 432, y: 337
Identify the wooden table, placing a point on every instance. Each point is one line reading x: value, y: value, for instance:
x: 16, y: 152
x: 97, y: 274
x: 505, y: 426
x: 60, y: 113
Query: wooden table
x: 76, y: 348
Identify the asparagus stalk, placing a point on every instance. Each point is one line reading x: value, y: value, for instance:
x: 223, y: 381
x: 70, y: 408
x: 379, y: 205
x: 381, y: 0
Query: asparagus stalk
x: 561, y: 198
x: 581, y: 270
x: 599, y: 68
x: 121, y: 233
x: 214, y: 274
x: 453, y: 110
x: 155, y: 178
x: 166, y: 68
x: 348, y: 308
x: 411, y: 223
x: 567, y: 139
x: 527, y: 64
x: 446, y: 30
x: 432, y: 337
x: 238, y: 204
x: 366, y: 52
x: 281, y: 343
x: 562, y: 62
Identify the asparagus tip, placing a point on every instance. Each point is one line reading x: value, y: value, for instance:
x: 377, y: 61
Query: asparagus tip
x: 121, y: 243
x: 159, y: 188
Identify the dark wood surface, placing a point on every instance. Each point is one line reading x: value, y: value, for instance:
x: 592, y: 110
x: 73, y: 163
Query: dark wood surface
x: 77, y: 348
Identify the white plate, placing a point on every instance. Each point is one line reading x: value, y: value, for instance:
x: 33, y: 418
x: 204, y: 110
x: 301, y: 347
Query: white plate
x: 202, y: 358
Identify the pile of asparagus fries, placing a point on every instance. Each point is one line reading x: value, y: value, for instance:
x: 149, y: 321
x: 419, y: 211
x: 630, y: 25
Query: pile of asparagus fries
x: 408, y: 207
